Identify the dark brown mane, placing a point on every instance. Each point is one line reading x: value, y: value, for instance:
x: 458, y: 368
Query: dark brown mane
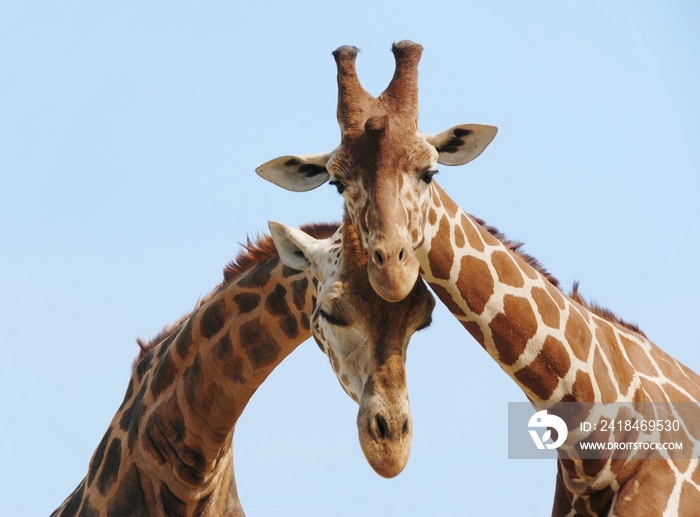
x: 254, y: 251
x: 603, y: 312
x: 515, y: 246
x: 575, y: 295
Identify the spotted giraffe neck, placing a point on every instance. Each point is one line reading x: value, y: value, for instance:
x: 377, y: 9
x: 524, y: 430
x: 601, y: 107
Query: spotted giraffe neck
x: 557, y: 349
x: 168, y: 450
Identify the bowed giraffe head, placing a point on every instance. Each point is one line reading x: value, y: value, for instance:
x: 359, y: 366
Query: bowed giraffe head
x: 364, y: 336
x: 383, y: 166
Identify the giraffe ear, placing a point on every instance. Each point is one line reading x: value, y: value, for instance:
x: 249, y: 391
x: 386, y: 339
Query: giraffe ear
x: 461, y: 144
x: 296, y: 248
x: 296, y: 173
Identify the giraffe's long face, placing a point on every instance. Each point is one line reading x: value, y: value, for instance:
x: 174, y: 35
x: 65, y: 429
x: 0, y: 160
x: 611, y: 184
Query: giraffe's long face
x: 383, y: 171
x: 383, y: 167
x: 364, y: 336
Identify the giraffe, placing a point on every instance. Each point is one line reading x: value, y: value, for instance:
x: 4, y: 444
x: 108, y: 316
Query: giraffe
x: 169, y: 450
x: 556, y: 347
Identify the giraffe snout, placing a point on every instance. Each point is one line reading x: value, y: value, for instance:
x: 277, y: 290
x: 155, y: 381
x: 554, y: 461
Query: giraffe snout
x: 384, y: 422
x: 385, y: 438
x: 392, y: 269
x: 382, y: 429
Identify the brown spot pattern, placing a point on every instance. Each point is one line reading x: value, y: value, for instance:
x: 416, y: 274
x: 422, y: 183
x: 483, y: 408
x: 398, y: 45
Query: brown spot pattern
x: 472, y: 234
x: 696, y: 476
x: 98, y: 456
x: 183, y: 341
x: 299, y: 288
x: 441, y: 256
x: 543, y: 373
x: 608, y: 393
x: 258, y: 344
x: 577, y: 334
x: 276, y: 304
x: 246, y: 302
x: 447, y: 299
x: 606, y: 338
x: 665, y: 362
x: 513, y: 328
x: 459, y: 237
x: 637, y: 355
x: 526, y: 267
x: 651, y: 389
x: 259, y: 276
x: 475, y: 283
x: 232, y: 363
x: 508, y: 272
x: 475, y: 330
x: 213, y: 318
x: 556, y: 295
x: 164, y: 375
x: 546, y: 307
x: 110, y: 467
x: 304, y: 320
x: 450, y: 207
x: 582, y: 388
x: 432, y: 216
x: 129, y: 499
x: 690, y: 499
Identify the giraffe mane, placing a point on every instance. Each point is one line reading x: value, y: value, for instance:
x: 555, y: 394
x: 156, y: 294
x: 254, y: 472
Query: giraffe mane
x: 603, y: 312
x: 254, y: 251
x: 515, y: 247
x: 575, y: 295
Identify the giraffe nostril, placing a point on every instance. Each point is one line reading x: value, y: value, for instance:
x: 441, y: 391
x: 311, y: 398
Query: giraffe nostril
x: 378, y: 258
x: 401, y: 255
x: 406, y: 428
x: 381, y: 427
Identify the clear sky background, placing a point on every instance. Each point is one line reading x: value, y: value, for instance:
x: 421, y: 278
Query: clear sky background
x: 129, y: 135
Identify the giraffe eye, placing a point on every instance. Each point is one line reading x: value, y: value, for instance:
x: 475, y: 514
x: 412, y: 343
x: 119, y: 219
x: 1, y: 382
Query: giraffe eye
x: 427, y: 176
x: 339, y: 185
x: 332, y: 319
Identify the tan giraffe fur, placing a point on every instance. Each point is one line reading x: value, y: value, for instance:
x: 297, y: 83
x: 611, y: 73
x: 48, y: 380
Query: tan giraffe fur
x: 169, y: 449
x: 555, y: 347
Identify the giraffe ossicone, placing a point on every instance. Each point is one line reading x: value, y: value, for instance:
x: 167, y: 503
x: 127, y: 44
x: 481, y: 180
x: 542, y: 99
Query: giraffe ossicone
x: 555, y: 346
x: 169, y: 447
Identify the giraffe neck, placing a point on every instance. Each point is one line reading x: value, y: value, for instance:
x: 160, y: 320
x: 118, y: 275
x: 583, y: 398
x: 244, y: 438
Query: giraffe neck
x: 529, y: 327
x: 556, y: 348
x: 169, y: 447
x: 203, y: 378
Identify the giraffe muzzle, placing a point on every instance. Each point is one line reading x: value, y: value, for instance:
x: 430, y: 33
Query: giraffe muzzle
x: 392, y: 270
x: 384, y: 422
x: 385, y: 438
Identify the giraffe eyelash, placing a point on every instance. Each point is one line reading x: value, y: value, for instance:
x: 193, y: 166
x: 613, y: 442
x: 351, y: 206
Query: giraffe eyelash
x: 427, y: 176
x: 339, y: 185
x: 338, y: 322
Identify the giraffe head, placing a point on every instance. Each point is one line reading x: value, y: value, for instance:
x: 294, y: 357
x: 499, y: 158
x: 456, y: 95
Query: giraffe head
x: 364, y: 336
x: 383, y: 166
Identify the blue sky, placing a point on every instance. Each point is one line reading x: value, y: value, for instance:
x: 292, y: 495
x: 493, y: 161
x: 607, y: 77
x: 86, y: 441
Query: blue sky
x: 129, y: 135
